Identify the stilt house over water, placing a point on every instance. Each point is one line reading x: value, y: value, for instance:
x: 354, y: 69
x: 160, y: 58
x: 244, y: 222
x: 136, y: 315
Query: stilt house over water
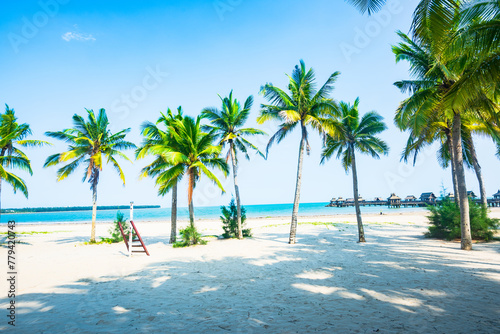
x: 429, y: 198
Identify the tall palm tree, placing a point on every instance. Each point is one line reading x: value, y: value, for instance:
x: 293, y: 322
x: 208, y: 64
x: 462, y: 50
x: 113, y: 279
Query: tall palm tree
x: 304, y: 107
x: 155, y: 137
x: 434, y: 92
x: 349, y: 134
x: 190, y: 152
x: 13, y: 134
x: 92, y: 144
x: 227, y: 124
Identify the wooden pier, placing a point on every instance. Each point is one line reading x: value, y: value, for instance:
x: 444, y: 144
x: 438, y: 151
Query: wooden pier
x: 410, y: 201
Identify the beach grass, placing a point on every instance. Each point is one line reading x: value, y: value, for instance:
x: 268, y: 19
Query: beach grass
x: 36, y: 232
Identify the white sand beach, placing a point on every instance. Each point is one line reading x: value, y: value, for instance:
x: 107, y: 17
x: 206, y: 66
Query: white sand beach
x: 397, y: 282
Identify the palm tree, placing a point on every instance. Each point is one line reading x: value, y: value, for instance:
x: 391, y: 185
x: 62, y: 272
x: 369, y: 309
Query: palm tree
x: 156, y: 137
x: 227, y: 124
x: 13, y: 134
x: 306, y: 106
x: 350, y: 134
x: 437, y: 90
x: 90, y: 143
x: 190, y: 152
x: 440, y: 130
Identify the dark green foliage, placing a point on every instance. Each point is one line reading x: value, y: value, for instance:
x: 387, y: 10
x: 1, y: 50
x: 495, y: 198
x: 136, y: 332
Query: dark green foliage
x: 190, y: 236
x: 230, y: 221
x: 116, y: 235
x: 445, y: 221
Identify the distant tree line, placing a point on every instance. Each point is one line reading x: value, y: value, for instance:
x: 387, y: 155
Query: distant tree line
x: 77, y: 208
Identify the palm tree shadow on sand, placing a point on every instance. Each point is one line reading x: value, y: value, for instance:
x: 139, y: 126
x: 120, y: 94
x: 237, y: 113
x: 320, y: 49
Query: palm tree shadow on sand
x: 327, y: 282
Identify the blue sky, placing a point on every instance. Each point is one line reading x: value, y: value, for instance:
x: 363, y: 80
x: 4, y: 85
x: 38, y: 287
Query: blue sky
x: 136, y: 59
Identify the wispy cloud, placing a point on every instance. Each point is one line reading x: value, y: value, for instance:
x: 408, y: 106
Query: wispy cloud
x: 77, y: 36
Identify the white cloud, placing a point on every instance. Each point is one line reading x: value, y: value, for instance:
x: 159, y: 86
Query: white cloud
x: 77, y: 36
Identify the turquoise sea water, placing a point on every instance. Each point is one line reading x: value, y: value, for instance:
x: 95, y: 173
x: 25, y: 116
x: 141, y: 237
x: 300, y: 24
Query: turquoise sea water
x: 208, y: 212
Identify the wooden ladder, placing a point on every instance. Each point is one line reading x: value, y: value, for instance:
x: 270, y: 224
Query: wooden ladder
x: 135, y: 237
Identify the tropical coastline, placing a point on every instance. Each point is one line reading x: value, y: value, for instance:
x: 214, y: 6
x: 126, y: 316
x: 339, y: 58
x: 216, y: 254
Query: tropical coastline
x: 201, y: 213
x: 398, y: 281
x: 76, y: 208
x: 183, y: 104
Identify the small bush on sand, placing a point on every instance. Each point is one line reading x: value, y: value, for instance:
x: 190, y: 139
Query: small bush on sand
x: 230, y: 221
x: 190, y: 236
x: 445, y: 221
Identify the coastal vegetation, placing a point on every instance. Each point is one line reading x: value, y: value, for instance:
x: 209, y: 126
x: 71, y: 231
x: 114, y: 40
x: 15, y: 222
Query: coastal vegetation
x: 453, y: 54
x: 157, y: 141
x: 12, y: 135
x: 88, y: 142
x: 304, y: 107
x: 115, y: 231
x: 188, y: 151
x: 190, y: 236
x: 78, y: 208
x: 230, y: 224
x: 369, y: 6
x: 445, y: 221
x: 348, y: 134
x: 227, y: 124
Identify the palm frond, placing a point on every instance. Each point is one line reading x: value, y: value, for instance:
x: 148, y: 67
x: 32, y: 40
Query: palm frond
x: 367, y: 6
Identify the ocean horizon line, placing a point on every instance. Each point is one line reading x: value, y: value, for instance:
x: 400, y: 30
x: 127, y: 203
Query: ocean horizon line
x: 201, y: 212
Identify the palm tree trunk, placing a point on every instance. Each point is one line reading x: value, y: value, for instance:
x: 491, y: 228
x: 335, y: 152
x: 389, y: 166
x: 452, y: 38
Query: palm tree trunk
x: 479, y: 175
x: 361, y: 232
x: 173, y: 217
x: 94, y: 211
x: 453, y: 168
x: 190, y: 198
x: 295, y: 211
x: 191, y: 213
x: 0, y: 199
x: 466, y: 240
x: 236, y: 191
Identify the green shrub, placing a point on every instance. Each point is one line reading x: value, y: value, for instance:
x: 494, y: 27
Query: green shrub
x: 116, y: 235
x: 190, y: 236
x: 445, y: 220
x: 230, y: 221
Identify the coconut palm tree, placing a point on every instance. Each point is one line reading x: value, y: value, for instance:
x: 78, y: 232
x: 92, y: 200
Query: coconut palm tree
x: 439, y: 130
x: 304, y: 107
x: 157, y: 137
x: 90, y: 144
x: 227, y: 124
x: 190, y: 152
x: 349, y: 134
x: 13, y: 134
x: 477, y: 34
x: 434, y: 92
